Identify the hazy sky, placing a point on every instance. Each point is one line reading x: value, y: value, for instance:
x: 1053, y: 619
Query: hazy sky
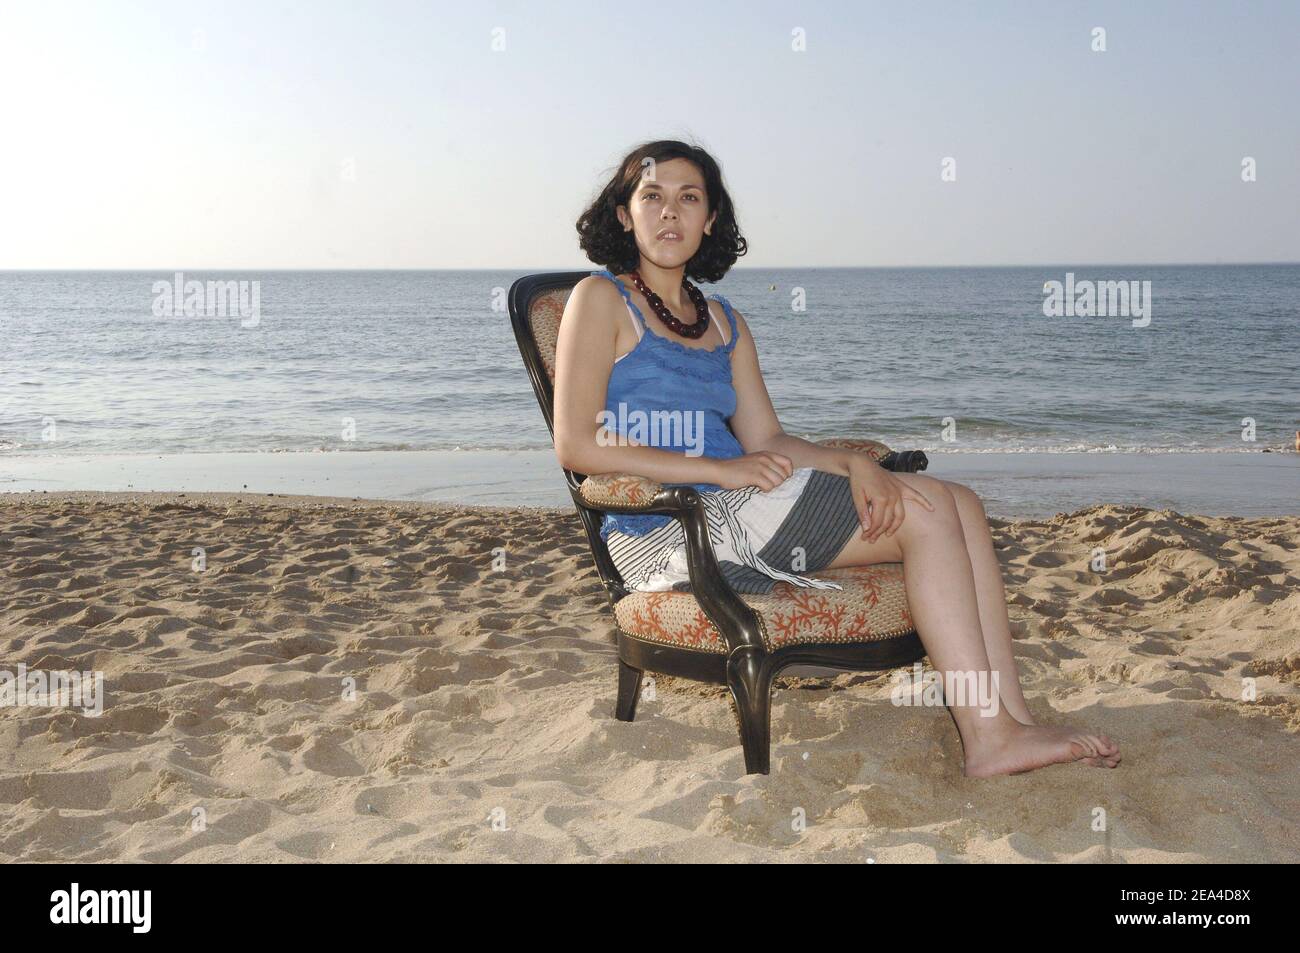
x: 392, y: 135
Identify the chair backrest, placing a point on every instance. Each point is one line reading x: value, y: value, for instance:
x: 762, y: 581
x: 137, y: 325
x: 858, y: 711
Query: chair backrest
x: 536, y: 306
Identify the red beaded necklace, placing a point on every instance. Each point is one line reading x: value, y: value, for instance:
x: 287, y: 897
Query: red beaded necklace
x: 656, y: 303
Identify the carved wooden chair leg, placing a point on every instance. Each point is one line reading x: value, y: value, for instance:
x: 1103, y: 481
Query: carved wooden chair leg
x: 750, y: 679
x: 629, y: 690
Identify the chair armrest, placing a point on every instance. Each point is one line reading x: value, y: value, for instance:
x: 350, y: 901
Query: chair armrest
x: 734, y: 619
x: 872, y: 448
x: 618, y: 492
x: 904, y: 461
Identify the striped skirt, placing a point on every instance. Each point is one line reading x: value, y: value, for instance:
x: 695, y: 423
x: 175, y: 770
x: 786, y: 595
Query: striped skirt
x: 760, y: 537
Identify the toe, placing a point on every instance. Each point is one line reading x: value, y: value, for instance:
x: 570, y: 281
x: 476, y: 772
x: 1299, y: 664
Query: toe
x: 1103, y: 742
x: 1102, y: 761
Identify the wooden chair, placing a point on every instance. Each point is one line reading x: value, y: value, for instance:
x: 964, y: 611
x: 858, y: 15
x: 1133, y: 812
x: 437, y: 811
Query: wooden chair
x: 712, y: 633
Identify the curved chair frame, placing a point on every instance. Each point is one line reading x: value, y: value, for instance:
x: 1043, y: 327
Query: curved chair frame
x: 748, y: 668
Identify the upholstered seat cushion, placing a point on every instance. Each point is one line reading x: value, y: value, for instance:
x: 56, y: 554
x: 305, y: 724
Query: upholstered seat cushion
x: 871, y: 606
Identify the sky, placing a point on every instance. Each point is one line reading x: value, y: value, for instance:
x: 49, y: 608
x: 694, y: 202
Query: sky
x: 389, y: 134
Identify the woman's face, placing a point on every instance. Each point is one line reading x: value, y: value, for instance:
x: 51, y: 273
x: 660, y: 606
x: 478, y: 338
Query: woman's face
x: 668, y: 201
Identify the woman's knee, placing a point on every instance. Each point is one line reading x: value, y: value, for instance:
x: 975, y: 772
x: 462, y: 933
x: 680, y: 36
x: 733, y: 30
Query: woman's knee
x: 944, y: 517
x: 938, y: 492
x: 965, y: 498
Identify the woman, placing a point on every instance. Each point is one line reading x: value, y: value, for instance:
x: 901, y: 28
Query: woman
x: 692, y: 367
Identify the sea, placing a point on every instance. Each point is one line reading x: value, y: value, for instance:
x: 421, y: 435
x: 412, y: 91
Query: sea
x: 1024, y: 360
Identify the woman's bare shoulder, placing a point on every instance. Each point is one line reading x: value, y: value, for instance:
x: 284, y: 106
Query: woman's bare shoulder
x: 592, y: 303
x: 742, y: 326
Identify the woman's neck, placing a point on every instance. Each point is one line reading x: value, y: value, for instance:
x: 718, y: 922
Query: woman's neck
x: 667, y: 284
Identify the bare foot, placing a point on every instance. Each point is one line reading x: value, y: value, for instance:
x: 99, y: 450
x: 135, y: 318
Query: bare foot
x: 1022, y: 748
x: 1108, y: 761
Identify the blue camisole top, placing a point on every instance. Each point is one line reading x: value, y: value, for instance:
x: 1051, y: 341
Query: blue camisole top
x: 657, y: 378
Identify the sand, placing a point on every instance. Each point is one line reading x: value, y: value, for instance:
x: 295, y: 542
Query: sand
x: 482, y: 724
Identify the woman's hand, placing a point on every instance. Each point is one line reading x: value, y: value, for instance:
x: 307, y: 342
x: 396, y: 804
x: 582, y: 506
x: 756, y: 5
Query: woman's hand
x: 762, y: 468
x: 879, y: 496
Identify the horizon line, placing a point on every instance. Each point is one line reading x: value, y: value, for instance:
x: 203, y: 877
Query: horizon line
x: 540, y: 268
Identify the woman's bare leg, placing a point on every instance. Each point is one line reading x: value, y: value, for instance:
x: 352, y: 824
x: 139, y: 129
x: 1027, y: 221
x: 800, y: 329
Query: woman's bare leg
x: 990, y: 590
x: 941, y: 592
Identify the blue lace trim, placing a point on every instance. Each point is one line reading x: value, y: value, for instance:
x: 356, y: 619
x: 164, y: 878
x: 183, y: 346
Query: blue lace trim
x: 702, y: 370
x: 698, y: 370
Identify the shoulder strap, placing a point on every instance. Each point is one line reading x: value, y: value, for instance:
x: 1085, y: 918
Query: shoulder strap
x: 731, y: 319
x: 638, y: 321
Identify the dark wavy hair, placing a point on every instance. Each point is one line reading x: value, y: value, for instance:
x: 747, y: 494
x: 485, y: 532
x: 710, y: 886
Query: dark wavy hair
x: 603, y: 240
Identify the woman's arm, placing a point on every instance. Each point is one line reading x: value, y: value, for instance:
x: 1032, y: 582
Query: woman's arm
x: 755, y: 423
x: 584, y: 358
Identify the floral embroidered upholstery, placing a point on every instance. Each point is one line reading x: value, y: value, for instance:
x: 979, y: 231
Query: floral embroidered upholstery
x: 544, y: 316
x: 618, y: 489
x: 873, y: 448
x: 871, y: 606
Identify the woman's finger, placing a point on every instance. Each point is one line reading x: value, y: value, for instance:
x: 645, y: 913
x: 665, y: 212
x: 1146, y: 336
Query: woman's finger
x: 900, y: 515
x: 780, y: 462
x: 891, y: 509
x: 860, y: 503
x: 880, y: 509
x: 916, y: 496
x: 895, y: 518
x: 868, y: 515
x: 878, y: 506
